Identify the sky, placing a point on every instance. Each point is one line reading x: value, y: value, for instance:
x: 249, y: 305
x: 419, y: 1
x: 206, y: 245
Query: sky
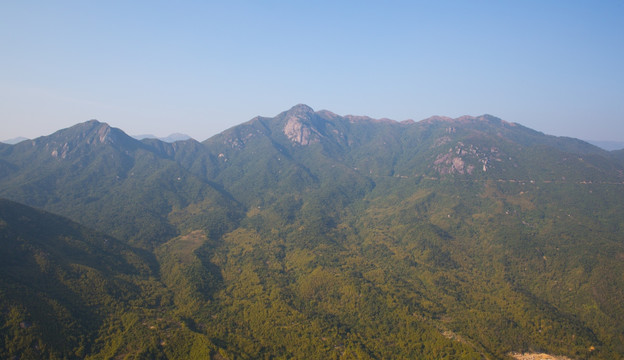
x: 201, y: 67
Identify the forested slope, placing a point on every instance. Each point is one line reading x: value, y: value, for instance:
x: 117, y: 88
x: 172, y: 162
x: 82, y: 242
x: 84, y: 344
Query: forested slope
x: 313, y: 235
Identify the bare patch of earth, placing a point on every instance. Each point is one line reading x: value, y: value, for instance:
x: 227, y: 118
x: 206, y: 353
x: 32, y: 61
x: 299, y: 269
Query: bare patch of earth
x: 537, y: 356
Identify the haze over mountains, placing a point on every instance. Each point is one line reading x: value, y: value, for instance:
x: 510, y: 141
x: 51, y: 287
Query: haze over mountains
x: 14, y: 141
x: 171, y: 138
x: 313, y: 235
x: 608, y: 145
x: 605, y: 145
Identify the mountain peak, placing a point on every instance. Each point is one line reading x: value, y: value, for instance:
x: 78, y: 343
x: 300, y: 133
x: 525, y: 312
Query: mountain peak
x: 90, y: 125
x: 298, y: 128
x: 68, y: 141
x: 92, y: 132
x: 300, y: 109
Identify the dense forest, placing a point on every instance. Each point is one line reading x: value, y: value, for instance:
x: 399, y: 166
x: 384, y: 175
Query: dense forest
x: 312, y: 235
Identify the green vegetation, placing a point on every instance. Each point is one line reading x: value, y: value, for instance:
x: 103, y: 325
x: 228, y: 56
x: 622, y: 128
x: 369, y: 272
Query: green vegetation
x: 312, y: 236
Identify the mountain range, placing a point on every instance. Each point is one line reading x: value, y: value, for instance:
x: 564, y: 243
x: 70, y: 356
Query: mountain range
x: 312, y: 235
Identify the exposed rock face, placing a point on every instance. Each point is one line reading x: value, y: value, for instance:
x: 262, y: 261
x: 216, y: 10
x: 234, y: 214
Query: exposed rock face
x: 450, y: 164
x: 61, y: 151
x: 102, y: 134
x: 300, y: 133
x: 298, y: 128
x: 464, y: 159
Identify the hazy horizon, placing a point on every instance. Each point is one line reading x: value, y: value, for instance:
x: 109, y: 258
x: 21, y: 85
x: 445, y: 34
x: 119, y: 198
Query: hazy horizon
x: 200, y: 68
x: 174, y: 136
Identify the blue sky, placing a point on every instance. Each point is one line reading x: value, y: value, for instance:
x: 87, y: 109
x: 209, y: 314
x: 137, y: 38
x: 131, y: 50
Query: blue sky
x: 200, y: 67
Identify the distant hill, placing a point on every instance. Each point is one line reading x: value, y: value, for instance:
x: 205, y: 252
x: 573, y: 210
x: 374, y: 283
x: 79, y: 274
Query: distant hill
x: 314, y: 235
x: 171, y: 138
x: 608, y: 145
x: 145, y: 136
x: 14, y: 140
